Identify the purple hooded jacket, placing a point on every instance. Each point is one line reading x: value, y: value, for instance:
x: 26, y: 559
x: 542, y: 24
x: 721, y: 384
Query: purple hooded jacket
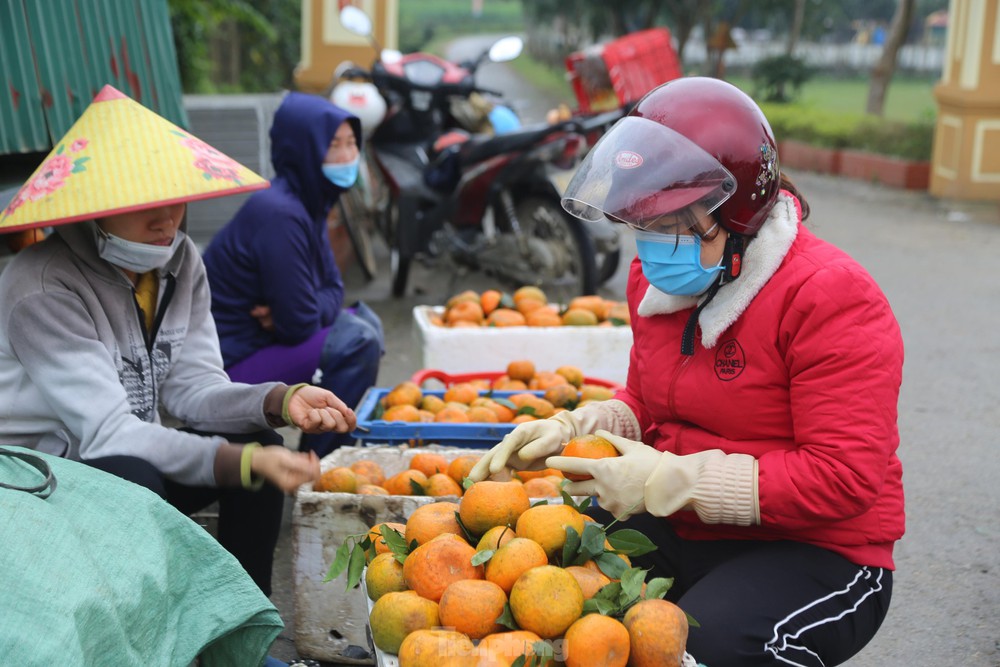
x: 276, y: 251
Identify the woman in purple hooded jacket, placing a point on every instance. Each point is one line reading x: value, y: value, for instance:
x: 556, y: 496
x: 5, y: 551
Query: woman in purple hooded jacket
x: 277, y: 294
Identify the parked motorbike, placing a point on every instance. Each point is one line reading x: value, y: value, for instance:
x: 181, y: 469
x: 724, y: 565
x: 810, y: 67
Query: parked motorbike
x: 484, y: 200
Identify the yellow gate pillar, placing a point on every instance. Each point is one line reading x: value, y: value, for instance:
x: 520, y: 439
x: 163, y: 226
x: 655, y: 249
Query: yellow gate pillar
x: 966, y: 160
x: 326, y: 44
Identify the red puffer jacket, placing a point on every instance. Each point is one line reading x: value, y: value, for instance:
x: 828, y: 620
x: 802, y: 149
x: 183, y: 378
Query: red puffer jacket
x: 798, y: 363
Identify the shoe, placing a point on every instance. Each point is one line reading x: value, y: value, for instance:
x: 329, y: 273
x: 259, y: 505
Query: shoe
x: 303, y: 662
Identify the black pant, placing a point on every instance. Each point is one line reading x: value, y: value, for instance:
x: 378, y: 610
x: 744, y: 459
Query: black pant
x: 249, y: 521
x: 765, y: 603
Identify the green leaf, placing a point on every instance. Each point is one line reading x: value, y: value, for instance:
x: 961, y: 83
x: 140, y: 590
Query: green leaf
x: 466, y: 483
x: 355, y: 567
x: 618, y: 322
x: 658, y: 587
x: 339, y: 562
x: 632, y: 580
x: 600, y: 606
x: 506, y: 402
x: 611, y: 565
x: 416, y: 488
x: 631, y: 542
x: 593, y: 541
x: 691, y: 621
x: 526, y: 410
x: 571, y: 549
x: 519, y: 661
x: 482, y: 556
x: 544, y: 653
x: 396, y: 542
x: 469, y: 537
x: 507, y: 618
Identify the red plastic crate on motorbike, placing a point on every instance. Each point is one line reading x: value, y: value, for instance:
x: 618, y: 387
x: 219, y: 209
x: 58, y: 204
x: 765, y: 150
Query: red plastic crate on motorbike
x: 620, y: 72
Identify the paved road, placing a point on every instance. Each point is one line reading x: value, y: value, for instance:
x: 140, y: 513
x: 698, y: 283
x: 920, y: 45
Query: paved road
x: 934, y: 259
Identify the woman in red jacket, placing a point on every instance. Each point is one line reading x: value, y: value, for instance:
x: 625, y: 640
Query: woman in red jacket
x: 758, y: 427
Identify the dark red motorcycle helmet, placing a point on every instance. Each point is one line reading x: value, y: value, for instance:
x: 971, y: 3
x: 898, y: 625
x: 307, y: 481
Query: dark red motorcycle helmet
x: 690, y: 140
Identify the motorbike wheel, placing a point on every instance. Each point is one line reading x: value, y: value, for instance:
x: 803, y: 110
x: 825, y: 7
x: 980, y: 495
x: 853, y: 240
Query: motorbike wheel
x: 563, y: 236
x: 359, y: 231
x: 400, y: 273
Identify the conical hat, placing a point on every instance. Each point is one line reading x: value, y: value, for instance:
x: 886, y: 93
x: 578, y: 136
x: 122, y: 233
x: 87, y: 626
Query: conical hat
x: 119, y: 156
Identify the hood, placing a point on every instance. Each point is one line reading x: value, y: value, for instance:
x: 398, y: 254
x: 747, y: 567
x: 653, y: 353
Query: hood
x: 303, y: 127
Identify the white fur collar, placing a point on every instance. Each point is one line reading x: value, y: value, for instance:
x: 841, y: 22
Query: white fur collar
x: 762, y: 257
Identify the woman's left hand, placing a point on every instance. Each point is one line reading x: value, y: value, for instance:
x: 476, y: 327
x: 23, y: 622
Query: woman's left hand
x: 317, y: 410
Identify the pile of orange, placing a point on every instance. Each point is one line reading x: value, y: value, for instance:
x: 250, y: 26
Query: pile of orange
x: 481, y: 583
x: 474, y: 402
x: 529, y: 306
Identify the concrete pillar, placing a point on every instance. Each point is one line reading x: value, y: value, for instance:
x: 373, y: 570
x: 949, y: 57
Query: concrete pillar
x: 325, y: 43
x: 966, y: 160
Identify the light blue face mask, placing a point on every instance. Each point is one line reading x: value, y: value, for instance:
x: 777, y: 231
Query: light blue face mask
x: 342, y: 174
x: 672, y: 263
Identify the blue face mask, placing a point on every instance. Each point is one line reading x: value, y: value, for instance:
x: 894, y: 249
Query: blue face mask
x: 672, y: 263
x: 342, y: 174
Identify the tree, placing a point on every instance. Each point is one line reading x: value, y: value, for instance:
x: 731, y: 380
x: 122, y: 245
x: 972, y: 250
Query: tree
x: 886, y: 66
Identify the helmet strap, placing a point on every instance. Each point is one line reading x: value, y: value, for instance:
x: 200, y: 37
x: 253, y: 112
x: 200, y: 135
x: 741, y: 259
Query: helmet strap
x: 732, y: 264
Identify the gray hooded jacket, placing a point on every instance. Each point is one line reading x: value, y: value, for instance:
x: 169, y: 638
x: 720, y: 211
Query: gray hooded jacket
x: 81, y: 378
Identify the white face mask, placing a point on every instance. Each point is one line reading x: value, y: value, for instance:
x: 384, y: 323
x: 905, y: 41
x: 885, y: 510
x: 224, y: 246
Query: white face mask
x: 138, y: 257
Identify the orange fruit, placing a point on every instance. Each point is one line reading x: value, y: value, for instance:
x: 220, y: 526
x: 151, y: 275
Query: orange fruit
x: 588, y: 447
x: 546, y: 600
x: 590, y: 580
x: 428, y: 463
x: 562, y: 395
x: 432, y: 403
x: 506, y: 647
x: 337, y: 480
x: 464, y: 311
x: 384, y: 575
x: 530, y: 292
x: 547, y: 524
x: 505, y: 383
x: 461, y: 392
x: 472, y: 607
x: 520, y: 419
x: 596, y: 640
x: 595, y: 392
x: 375, y: 534
x: 452, y: 414
x: 619, y: 311
x: 495, y: 537
x: 372, y: 490
x: 395, y: 615
x: 506, y: 317
x: 482, y: 414
x: 489, y: 300
x: 657, y: 631
x: 512, y: 560
x: 428, y: 521
x: 545, y: 380
x: 436, y: 648
x: 541, y: 488
x: 544, y: 316
x: 399, y: 484
x: 487, y: 504
x: 404, y: 393
x: 502, y: 412
x: 460, y: 466
x: 540, y: 408
x: 525, y: 475
x: 370, y: 469
x: 426, y: 416
x: 440, y: 484
x: 467, y: 295
x: 595, y: 304
x: 573, y: 374
x: 432, y: 566
x: 521, y: 369
x: 578, y: 317
x: 402, y: 413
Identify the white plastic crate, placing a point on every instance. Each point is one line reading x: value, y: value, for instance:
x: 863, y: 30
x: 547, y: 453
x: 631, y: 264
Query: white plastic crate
x: 330, y: 622
x: 598, y: 351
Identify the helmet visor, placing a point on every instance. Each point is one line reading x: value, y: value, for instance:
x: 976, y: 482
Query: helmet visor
x: 641, y: 171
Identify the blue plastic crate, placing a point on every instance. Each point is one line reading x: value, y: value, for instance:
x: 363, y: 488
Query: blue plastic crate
x: 480, y: 435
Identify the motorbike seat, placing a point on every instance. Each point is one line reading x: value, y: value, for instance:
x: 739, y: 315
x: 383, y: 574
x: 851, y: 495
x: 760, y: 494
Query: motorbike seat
x: 482, y: 147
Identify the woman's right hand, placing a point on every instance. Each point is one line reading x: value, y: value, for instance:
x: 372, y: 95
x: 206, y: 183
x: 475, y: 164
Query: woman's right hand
x: 284, y: 468
x: 532, y: 441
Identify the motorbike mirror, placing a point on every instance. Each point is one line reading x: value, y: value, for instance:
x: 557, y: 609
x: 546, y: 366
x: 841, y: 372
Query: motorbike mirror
x: 506, y: 49
x: 356, y: 21
x: 391, y: 56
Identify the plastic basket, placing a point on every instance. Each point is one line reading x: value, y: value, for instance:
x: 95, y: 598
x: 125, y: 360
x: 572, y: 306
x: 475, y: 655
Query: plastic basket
x: 473, y: 434
x: 447, y: 379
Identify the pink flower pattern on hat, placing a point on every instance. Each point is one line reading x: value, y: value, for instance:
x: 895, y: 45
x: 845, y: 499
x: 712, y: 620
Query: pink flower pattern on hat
x: 211, y: 162
x: 50, y: 176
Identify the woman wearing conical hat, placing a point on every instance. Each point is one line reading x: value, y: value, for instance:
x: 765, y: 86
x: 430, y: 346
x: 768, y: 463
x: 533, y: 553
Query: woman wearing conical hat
x: 106, y: 325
